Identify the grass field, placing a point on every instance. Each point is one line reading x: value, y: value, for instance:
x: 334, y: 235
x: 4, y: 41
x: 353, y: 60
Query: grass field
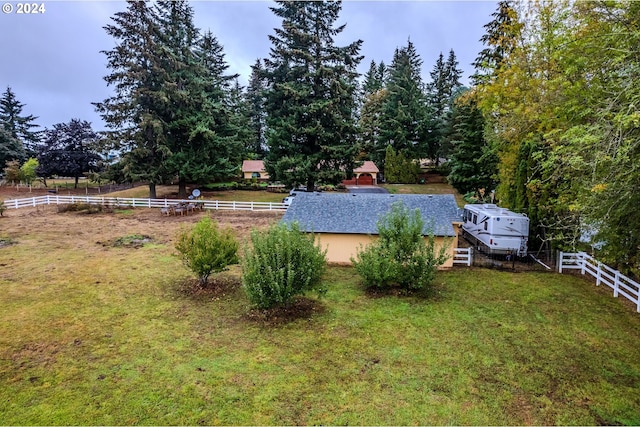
x: 96, y: 334
x: 429, y: 188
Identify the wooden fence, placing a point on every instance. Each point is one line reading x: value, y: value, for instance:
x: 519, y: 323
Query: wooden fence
x: 141, y: 203
x: 621, y: 284
x: 463, y: 256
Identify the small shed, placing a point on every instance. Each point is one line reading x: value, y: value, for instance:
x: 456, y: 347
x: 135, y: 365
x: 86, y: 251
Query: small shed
x: 343, y: 222
x: 254, y: 169
x: 367, y: 174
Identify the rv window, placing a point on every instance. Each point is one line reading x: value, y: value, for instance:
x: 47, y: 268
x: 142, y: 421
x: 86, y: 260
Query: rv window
x: 485, y: 225
x: 475, y: 218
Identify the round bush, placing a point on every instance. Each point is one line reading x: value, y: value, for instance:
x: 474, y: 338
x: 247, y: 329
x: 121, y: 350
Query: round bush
x: 282, y: 263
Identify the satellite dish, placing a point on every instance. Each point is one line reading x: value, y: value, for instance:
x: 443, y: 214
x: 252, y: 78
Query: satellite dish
x: 196, y: 193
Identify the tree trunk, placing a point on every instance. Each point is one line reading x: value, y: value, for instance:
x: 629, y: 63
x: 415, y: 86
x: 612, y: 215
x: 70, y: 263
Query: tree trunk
x: 182, y: 188
x: 152, y: 190
x: 75, y: 186
x: 310, y: 185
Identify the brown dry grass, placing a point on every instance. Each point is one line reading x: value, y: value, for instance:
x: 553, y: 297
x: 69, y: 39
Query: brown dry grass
x: 85, y: 230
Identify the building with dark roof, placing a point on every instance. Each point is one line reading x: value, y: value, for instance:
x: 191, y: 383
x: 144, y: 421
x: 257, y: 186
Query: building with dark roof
x: 343, y: 222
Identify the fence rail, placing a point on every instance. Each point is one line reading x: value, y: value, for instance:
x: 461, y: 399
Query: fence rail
x: 621, y: 284
x: 141, y: 203
x: 463, y: 256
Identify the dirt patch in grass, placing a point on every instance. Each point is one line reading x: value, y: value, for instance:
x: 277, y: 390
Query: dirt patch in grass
x: 300, y: 308
x: 5, y: 241
x: 131, y: 241
x: 216, y: 288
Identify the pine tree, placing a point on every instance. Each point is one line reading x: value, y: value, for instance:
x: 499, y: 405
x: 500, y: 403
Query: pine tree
x: 243, y: 133
x: 227, y: 127
x: 136, y: 113
x: 201, y: 120
x: 11, y: 148
x: 445, y: 82
x: 18, y: 126
x: 374, y: 78
x: 370, y: 124
x: 311, y: 96
x: 404, y: 114
x: 255, y: 98
x: 500, y: 40
x: 473, y: 163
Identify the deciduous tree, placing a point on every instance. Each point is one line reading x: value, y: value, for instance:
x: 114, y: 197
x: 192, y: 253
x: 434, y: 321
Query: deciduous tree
x: 68, y: 150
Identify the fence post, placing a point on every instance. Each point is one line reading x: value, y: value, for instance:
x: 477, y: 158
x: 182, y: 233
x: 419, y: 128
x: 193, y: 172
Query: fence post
x: 582, y: 262
x: 469, y: 260
x: 599, y: 274
x: 560, y: 260
x: 616, y: 284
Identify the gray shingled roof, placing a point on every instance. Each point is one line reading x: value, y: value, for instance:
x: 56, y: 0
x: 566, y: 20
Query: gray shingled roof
x: 359, y: 213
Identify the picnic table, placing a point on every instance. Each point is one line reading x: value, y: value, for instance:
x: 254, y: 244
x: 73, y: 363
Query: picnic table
x: 181, y: 208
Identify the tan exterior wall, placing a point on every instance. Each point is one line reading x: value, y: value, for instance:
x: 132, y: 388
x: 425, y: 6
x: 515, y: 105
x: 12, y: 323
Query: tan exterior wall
x: 342, y: 247
x: 263, y: 175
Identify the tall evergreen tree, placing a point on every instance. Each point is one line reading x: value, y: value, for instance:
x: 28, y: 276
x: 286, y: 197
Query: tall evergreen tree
x: 10, y: 148
x: 445, y: 82
x: 227, y: 126
x: 500, y: 39
x: 473, y: 163
x: 404, y: 122
x: 255, y: 97
x: 374, y: 78
x: 243, y: 133
x: 370, y: 124
x: 136, y: 113
x: 311, y: 96
x: 201, y: 120
x: 18, y: 126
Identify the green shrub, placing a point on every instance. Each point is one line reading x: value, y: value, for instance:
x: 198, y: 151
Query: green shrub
x: 399, y: 169
x: 207, y: 249
x: 400, y: 256
x: 28, y: 170
x: 282, y: 263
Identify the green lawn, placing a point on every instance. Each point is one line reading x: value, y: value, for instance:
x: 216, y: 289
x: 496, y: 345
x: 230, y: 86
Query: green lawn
x: 429, y: 188
x: 226, y: 195
x: 99, y: 335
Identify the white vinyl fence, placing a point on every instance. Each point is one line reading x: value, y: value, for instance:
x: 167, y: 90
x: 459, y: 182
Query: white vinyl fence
x: 463, y: 256
x: 621, y: 284
x: 141, y: 203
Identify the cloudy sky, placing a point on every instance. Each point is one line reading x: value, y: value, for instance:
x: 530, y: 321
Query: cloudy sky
x: 53, y: 64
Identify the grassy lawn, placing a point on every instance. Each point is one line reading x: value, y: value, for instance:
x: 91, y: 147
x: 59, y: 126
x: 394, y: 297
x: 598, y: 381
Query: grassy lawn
x: 96, y: 334
x: 227, y: 195
x: 429, y: 188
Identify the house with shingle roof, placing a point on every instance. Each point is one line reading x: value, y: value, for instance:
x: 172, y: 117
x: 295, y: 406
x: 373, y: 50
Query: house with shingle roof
x: 254, y: 169
x: 342, y: 222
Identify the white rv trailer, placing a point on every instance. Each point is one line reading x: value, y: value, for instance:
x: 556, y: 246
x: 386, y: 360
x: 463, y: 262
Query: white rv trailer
x: 497, y: 230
